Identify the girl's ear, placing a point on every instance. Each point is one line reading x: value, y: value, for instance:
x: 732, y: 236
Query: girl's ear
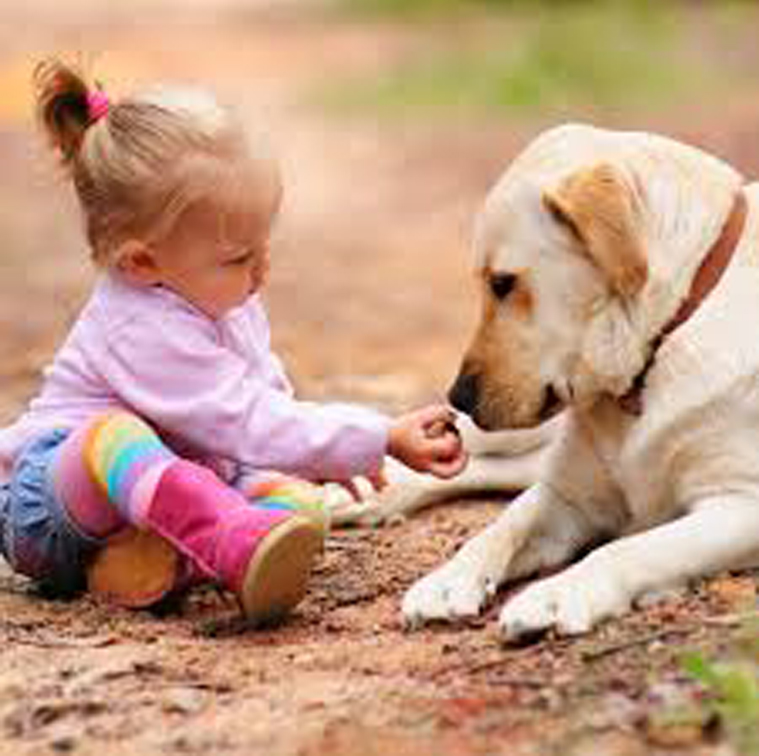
x: 136, y: 262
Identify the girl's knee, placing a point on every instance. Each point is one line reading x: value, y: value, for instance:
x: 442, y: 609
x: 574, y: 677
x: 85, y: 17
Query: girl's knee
x: 120, y: 423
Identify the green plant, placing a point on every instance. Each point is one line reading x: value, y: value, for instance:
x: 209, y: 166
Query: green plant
x: 733, y: 689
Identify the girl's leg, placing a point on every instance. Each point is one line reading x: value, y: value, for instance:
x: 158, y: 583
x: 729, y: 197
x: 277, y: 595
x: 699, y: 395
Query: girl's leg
x: 286, y: 493
x: 106, y: 470
x: 135, y: 567
x: 264, y: 555
x: 39, y: 539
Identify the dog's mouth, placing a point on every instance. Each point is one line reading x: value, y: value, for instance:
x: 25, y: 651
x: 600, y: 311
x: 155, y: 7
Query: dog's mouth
x: 552, y: 404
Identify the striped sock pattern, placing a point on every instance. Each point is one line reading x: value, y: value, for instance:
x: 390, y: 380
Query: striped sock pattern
x: 287, y: 494
x: 126, y: 458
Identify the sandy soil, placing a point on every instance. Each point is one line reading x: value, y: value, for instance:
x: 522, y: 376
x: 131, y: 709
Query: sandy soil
x: 370, y: 301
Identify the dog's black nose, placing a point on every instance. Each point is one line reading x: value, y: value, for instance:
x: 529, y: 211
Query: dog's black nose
x: 465, y: 392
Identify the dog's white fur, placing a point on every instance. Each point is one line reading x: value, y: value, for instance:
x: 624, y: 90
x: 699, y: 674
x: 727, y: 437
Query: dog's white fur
x: 604, y: 232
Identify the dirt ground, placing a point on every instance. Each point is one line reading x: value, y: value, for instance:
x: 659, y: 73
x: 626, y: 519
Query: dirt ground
x: 370, y: 301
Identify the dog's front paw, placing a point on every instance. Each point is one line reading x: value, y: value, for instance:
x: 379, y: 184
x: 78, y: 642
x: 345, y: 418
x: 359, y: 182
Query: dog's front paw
x: 453, y: 591
x: 571, y: 603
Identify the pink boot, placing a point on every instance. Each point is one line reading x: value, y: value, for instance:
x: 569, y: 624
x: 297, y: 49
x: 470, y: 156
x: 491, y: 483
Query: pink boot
x: 264, y: 556
x: 167, y: 523
x: 197, y: 529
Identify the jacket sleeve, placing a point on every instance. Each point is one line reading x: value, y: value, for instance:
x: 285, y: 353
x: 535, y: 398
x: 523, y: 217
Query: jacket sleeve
x: 175, y: 373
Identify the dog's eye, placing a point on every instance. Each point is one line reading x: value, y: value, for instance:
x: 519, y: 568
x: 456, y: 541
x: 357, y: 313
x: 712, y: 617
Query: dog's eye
x: 502, y: 284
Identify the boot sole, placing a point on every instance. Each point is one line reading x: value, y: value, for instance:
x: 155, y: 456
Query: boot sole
x: 277, y: 576
x: 136, y: 569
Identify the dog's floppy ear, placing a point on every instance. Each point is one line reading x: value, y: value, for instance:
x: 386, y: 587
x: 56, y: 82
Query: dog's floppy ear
x: 598, y: 207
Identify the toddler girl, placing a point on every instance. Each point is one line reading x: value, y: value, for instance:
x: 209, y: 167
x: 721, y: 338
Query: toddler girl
x: 140, y: 468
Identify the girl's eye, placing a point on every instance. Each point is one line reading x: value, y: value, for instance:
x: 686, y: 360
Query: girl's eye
x: 502, y: 284
x: 241, y: 260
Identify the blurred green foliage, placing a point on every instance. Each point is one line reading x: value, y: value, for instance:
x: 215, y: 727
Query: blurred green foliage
x: 413, y: 7
x: 731, y: 685
x: 523, y: 55
x: 733, y: 695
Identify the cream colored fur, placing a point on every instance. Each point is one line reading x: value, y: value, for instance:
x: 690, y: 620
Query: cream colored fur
x: 604, y: 232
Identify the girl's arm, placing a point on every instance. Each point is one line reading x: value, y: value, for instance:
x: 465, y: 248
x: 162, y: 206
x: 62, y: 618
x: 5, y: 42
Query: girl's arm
x: 173, y: 372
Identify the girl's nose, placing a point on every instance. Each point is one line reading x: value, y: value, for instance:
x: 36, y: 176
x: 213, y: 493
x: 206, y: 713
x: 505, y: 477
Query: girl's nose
x: 260, y: 272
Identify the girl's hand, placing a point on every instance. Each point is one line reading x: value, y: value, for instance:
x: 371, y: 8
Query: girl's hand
x: 427, y: 441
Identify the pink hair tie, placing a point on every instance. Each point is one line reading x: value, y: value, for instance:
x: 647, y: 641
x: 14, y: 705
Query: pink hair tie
x: 97, y: 105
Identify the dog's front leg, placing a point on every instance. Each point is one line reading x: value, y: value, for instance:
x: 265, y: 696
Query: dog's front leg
x: 537, y: 530
x: 720, y: 533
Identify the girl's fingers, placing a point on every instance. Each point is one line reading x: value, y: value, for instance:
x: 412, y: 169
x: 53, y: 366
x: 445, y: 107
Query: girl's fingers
x: 437, y: 420
x: 446, y: 446
x: 449, y: 468
x: 379, y: 480
x: 446, y: 456
x: 351, y: 487
x: 433, y: 412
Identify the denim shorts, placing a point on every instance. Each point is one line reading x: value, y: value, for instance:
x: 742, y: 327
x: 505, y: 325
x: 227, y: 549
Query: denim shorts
x: 36, y: 536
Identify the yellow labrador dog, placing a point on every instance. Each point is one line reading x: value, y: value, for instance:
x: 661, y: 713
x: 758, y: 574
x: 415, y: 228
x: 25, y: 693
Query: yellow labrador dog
x: 620, y: 282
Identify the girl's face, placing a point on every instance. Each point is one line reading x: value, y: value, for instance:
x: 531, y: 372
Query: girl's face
x: 215, y: 259
x: 217, y: 253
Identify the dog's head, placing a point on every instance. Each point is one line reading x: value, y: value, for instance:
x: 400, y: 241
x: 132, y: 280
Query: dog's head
x: 584, y: 249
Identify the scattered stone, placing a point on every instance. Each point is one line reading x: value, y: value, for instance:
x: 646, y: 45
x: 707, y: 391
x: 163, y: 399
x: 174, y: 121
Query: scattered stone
x: 184, y: 701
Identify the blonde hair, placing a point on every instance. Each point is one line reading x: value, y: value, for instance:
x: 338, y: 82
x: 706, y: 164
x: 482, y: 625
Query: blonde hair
x: 137, y: 167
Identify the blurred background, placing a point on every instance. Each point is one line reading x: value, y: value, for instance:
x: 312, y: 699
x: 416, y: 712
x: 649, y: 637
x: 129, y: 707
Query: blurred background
x: 392, y: 118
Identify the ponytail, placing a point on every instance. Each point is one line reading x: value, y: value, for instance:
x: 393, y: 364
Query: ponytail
x: 136, y: 164
x: 63, y: 106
